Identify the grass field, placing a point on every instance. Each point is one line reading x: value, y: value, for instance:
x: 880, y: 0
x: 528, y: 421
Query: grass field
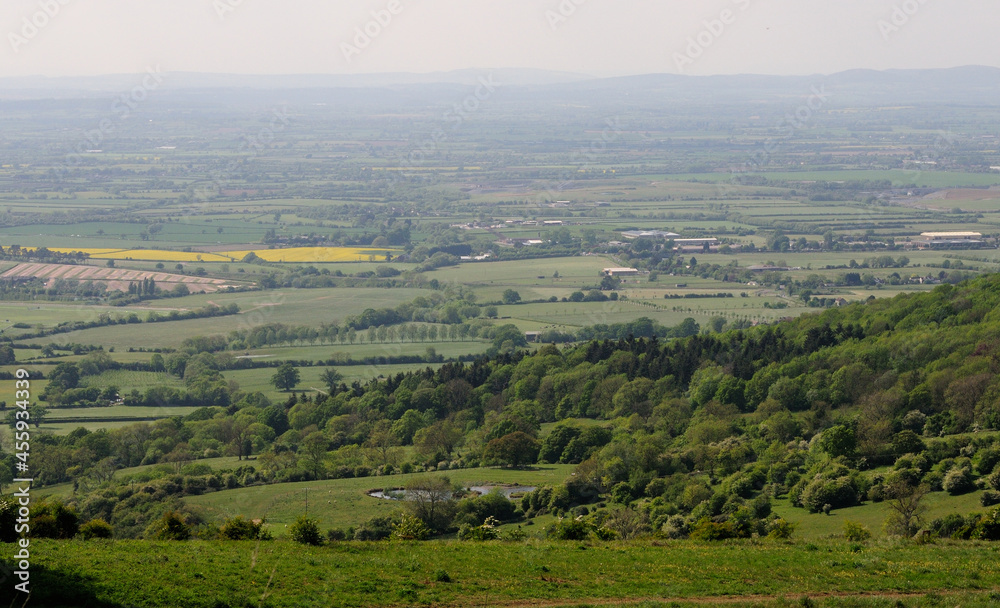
x: 344, y: 502
x: 251, y: 380
x: 292, y: 307
x: 812, y: 526
x: 828, y: 574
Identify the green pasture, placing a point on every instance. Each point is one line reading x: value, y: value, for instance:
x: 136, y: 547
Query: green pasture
x: 259, y: 380
x: 573, y: 272
x: 813, y: 526
x: 651, y: 574
x: 290, y: 306
x: 345, y: 502
x: 358, y: 351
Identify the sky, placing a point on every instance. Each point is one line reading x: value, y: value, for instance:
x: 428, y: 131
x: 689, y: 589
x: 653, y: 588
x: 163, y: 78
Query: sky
x: 591, y: 37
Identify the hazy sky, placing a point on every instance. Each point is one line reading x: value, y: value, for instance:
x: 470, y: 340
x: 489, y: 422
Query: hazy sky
x: 600, y: 37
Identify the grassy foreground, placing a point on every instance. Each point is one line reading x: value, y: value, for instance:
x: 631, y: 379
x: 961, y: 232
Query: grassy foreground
x: 535, y: 573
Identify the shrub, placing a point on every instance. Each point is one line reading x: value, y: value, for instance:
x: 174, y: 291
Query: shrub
x: 838, y: 493
x: 988, y: 527
x: 487, y: 531
x: 376, y: 528
x: 989, y: 498
x: 780, y: 529
x: 96, y: 528
x: 442, y: 576
x: 675, y: 527
x: 409, y: 528
x: 54, y: 520
x: 706, y: 529
x: 305, y: 531
x: 475, y: 511
x: 336, y: 534
x: 169, y: 527
x: 855, y: 532
x: 959, y: 480
x: 240, y: 528
x: 987, y: 460
x: 570, y: 529
x: 994, y: 479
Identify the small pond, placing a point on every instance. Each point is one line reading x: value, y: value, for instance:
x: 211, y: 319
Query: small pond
x: 508, y: 491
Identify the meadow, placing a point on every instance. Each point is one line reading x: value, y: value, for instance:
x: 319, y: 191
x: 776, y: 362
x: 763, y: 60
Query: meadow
x: 340, y: 503
x: 765, y: 574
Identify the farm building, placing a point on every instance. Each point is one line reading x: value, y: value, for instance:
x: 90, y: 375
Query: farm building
x: 950, y: 239
x: 694, y: 245
x: 621, y: 272
x: 649, y: 234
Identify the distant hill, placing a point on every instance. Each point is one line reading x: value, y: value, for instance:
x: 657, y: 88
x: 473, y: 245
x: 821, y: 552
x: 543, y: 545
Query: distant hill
x: 968, y: 85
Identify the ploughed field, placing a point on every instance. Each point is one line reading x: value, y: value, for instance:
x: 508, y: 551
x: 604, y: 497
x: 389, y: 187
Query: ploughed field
x: 114, y: 278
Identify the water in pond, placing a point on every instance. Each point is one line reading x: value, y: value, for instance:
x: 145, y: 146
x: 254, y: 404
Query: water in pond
x: 507, y: 491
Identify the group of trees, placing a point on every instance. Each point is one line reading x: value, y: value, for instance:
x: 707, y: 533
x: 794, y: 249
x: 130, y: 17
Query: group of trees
x: 706, y: 428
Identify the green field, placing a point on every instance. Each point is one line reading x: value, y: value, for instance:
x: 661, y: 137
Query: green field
x: 813, y: 526
x: 827, y: 574
x: 344, y: 502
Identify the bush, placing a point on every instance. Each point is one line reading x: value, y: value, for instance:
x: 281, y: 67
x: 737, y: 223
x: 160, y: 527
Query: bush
x: 53, y: 520
x: 959, y: 480
x: 838, y: 493
x: 948, y: 526
x: 994, y: 479
x: 706, y: 529
x: 855, y: 532
x: 336, y: 534
x: 240, y: 528
x: 989, y: 498
x: 376, y: 528
x: 780, y: 529
x: 442, y: 576
x: 169, y: 527
x: 305, y: 531
x: 410, y: 528
x: 96, y: 528
x: 988, y: 527
x: 570, y: 529
x: 487, y: 531
x: 987, y: 460
x: 475, y: 511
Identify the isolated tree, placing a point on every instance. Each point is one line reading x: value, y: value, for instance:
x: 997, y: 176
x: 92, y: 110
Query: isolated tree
x: 286, y: 378
x: 430, y: 499
x: 906, y: 508
x: 330, y: 379
x: 37, y: 413
x: 510, y: 297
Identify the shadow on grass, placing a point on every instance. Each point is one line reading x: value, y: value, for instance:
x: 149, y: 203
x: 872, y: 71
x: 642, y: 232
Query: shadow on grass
x: 50, y: 589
